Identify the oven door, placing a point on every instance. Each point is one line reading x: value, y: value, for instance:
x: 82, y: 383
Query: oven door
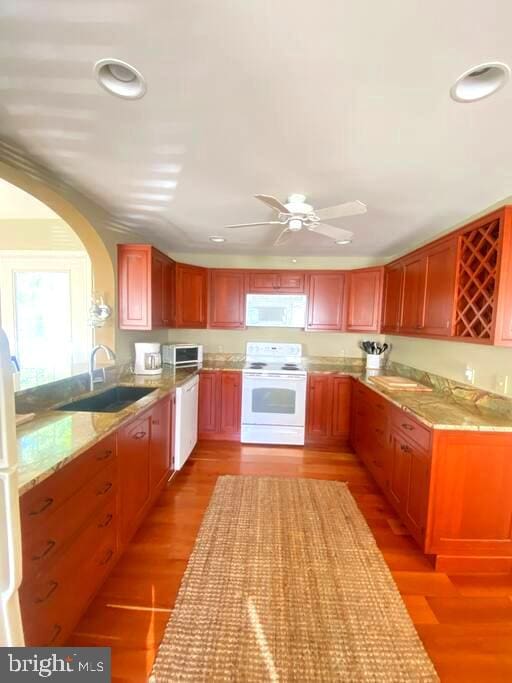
x: 277, y: 400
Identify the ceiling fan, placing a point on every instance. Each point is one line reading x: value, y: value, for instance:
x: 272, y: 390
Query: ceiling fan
x: 296, y: 214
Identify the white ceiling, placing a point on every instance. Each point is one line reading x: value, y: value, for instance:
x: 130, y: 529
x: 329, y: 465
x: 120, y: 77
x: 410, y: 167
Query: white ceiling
x: 337, y: 99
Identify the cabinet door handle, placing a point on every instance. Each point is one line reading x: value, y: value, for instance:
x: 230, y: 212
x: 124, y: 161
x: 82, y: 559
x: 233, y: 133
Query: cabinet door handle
x: 379, y: 431
x: 155, y: 422
x: 105, y: 454
x: 139, y: 435
x: 56, y: 630
x: 106, y: 521
x: 106, y: 487
x: 407, y: 426
x: 49, y: 545
x: 107, y: 557
x: 44, y: 506
x: 404, y: 448
x: 53, y: 585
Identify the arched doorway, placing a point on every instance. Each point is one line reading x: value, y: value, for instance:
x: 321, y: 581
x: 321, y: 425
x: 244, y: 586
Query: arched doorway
x: 65, y: 230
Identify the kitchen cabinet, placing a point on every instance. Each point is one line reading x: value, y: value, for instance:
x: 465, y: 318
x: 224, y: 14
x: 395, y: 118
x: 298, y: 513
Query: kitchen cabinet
x: 439, y: 289
x: 191, y: 296
x: 328, y: 401
x: 326, y: 292
x: 364, y: 299
x: 274, y: 281
x: 145, y: 287
x: 392, y: 297
x: 220, y: 404
x: 413, y: 300
x: 226, y: 291
x: 76, y: 522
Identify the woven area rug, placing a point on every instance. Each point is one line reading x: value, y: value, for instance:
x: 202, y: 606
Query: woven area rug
x: 286, y: 583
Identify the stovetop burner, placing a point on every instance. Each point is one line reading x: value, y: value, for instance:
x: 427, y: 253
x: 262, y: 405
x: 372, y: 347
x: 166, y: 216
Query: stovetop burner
x: 257, y: 366
x: 290, y: 366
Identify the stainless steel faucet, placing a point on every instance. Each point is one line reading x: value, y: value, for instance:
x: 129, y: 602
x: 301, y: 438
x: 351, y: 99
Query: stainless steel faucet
x: 92, y: 372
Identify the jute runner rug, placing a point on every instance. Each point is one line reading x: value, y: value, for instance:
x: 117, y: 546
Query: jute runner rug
x: 286, y: 583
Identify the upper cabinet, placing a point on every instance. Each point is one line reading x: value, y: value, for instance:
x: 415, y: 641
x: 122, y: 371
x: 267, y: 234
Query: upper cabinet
x: 191, y: 296
x: 364, y: 299
x: 226, y: 308
x: 276, y: 281
x: 145, y: 287
x: 392, y: 297
x: 458, y: 287
x: 326, y: 290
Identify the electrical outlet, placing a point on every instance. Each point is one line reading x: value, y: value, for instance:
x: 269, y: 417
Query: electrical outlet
x: 469, y: 374
x: 501, y: 383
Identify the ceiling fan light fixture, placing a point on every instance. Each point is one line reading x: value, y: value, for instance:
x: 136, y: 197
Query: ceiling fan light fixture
x: 294, y: 224
x: 342, y: 242
x: 480, y: 81
x: 217, y: 239
x: 120, y: 78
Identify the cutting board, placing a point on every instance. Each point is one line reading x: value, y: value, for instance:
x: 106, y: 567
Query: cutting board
x: 396, y: 383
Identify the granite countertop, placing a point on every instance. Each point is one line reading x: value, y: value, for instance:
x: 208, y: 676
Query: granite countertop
x: 441, y: 411
x: 54, y: 438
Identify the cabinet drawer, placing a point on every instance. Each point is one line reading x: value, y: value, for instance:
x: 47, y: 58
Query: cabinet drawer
x: 408, y: 425
x: 38, y: 504
x: 52, y: 603
x: 43, y: 541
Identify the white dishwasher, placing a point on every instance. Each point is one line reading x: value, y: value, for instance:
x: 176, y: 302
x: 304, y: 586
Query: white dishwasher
x: 186, y: 421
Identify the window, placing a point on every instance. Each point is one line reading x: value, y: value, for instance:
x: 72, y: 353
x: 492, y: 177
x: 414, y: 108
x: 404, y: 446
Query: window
x: 44, y: 303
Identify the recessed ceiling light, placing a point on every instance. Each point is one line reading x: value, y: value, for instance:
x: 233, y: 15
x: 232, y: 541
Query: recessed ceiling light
x: 480, y: 81
x: 217, y: 238
x: 341, y: 242
x: 120, y: 78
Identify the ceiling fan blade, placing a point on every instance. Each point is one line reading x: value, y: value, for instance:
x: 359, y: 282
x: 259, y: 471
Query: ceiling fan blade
x: 250, y: 225
x: 283, y: 237
x: 272, y: 202
x: 346, y: 209
x: 331, y: 231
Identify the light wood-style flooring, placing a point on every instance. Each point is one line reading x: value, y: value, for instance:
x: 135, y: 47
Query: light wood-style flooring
x: 465, y: 621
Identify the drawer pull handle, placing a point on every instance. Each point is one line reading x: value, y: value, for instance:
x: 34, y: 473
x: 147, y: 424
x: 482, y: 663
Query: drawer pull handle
x: 107, y: 486
x: 50, y: 544
x: 44, y: 506
x: 107, y: 557
x: 106, y: 521
x: 407, y: 426
x: 139, y: 435
x: 105, y: 455
x: 56, y: 630
x: 405, y: 448
x: 53, y: 586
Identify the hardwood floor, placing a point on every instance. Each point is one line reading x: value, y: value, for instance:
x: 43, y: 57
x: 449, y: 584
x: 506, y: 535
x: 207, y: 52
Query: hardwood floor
x: 465, y: 621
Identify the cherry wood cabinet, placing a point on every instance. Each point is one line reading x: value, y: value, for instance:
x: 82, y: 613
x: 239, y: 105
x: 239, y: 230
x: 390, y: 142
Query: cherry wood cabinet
x: 145, y: 287
x: 191, y: 296
x: 161, y: 444
x: 328, y: 402
x: 364, y: 299
x: 439, y: 288
x: 392, y: 297
x: 276, y: 281
x: 326, y: 290
x: 220, y: 405
x: 226, y: 292
x: 413, y: 299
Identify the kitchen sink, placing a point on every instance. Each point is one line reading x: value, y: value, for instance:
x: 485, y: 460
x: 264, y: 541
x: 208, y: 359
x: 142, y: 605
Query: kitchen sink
x: 110, y: 401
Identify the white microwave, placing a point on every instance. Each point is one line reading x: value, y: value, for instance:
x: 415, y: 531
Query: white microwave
x: 182, y: 354
x: 276, y: 310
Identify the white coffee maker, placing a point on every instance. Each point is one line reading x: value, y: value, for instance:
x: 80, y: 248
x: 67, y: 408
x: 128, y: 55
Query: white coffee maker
x: 148, y: 359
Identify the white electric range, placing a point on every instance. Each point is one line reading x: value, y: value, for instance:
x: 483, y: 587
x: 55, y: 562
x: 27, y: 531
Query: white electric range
x: 273, y: 394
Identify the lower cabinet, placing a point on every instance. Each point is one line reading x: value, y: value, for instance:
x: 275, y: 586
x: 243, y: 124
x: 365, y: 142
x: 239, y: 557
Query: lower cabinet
x: 328, y: 409
x: 220, y: 405
x: 76, y: 522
